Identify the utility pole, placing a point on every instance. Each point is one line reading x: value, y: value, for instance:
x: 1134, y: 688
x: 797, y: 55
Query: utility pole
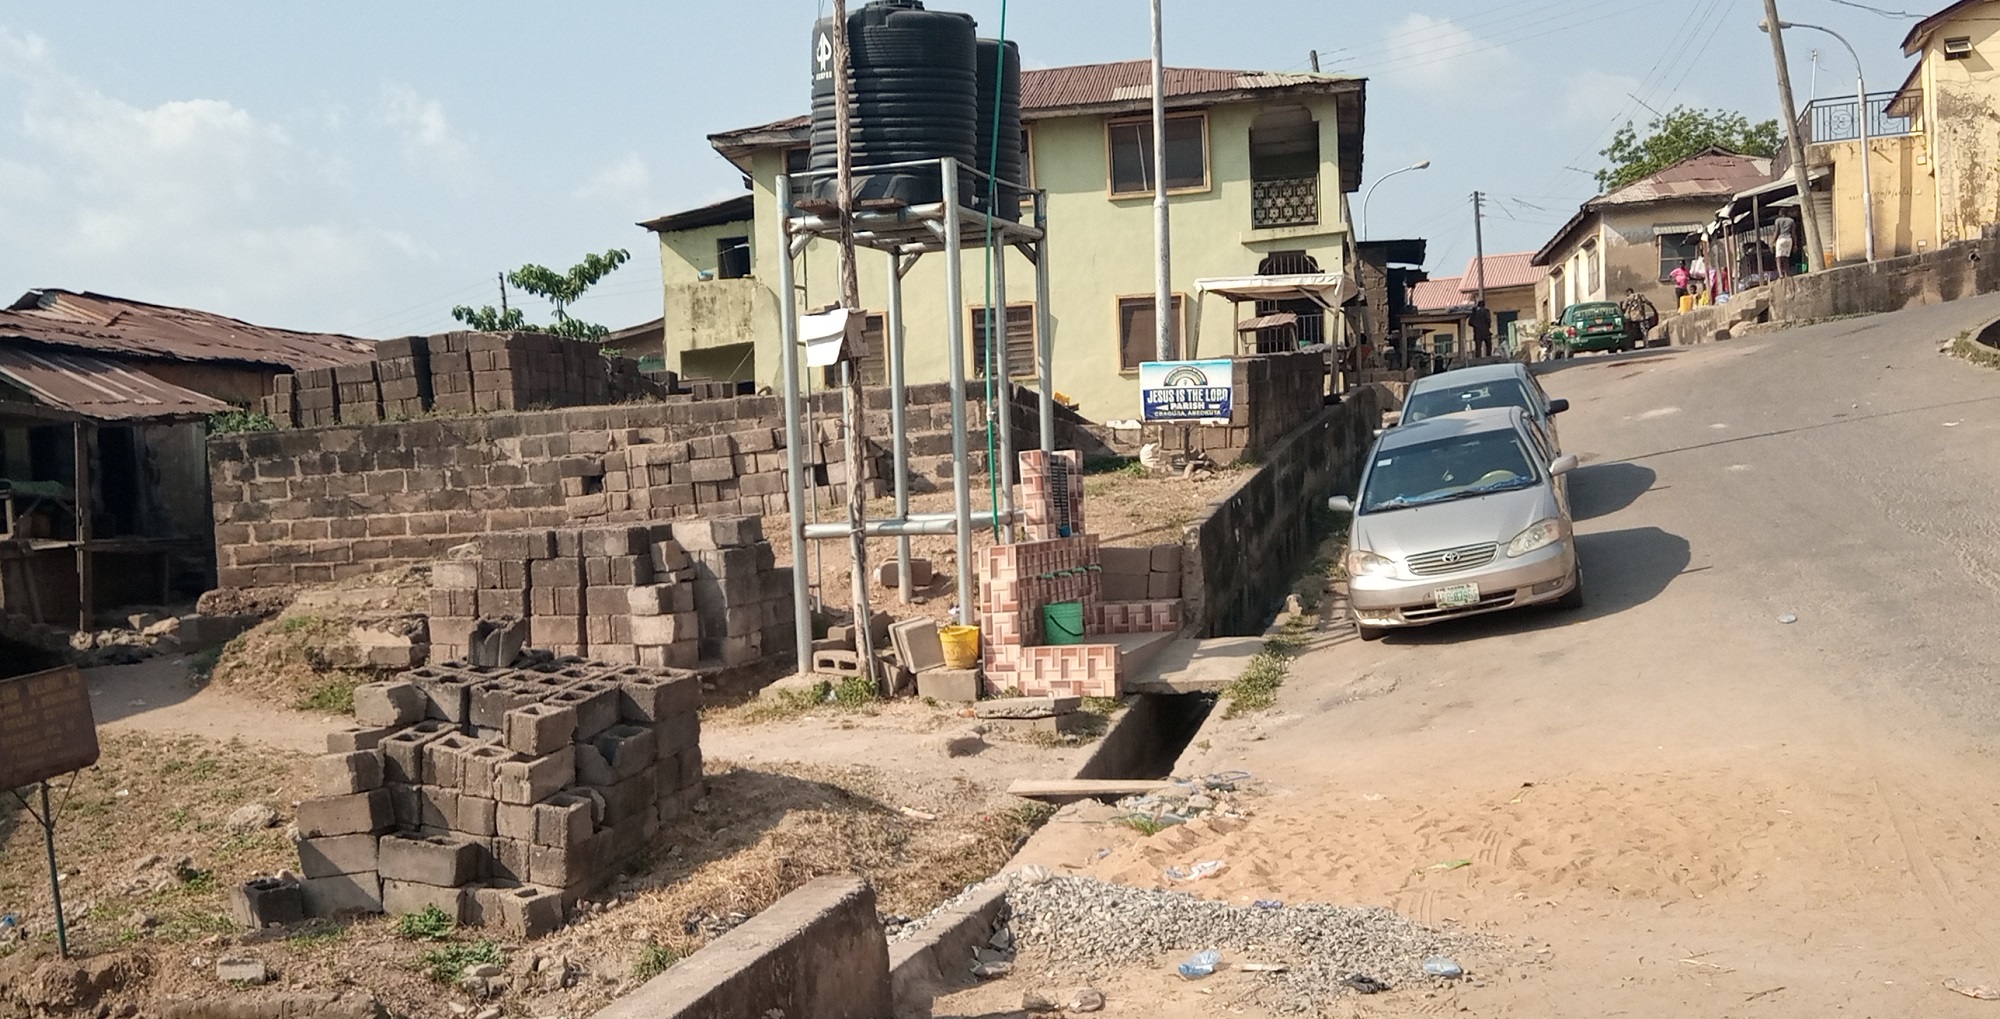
x: 1479, y: 245
x: 1315, y: 60
x: 1163, y: 291
x: 503, y: 293
x: 850, y: 298
x: 1808, y: 216
x: 1479, y: 327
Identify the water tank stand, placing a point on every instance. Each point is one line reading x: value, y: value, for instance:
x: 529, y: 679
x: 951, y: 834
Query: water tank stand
x: 906, y: 234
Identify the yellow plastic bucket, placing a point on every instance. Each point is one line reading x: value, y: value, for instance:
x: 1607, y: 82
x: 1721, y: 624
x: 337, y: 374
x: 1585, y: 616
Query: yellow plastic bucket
x: 961, y: 646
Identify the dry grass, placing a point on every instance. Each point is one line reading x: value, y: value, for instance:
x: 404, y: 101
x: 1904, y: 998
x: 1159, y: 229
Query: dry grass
x: 763, y: 833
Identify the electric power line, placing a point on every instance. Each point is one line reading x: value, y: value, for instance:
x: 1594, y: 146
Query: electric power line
x: 1878, y: 10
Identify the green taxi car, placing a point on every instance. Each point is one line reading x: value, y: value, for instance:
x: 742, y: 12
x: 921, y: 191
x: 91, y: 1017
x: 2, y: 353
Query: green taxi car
x: 1593, y: 325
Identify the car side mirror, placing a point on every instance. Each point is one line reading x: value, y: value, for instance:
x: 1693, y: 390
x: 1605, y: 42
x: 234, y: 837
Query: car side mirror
x: 1558, y: 405
x: 1563, y: 465
x: 1340, y: 504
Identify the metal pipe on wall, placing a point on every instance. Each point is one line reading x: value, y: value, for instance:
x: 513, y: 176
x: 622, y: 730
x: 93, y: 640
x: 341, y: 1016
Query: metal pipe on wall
x: 1044, y: 325
x: 954, y: 299
x: 1003, y: 383
x: 788, y: 341
x: 916, y: 523
x: 892, y: 329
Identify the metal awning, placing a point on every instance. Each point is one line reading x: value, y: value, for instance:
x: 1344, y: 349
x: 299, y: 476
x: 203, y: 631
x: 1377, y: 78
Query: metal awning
x: 1271, y: 321
x: 96, y: 388
x: 1329, y: 289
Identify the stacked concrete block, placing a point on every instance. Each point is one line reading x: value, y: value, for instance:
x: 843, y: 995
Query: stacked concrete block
x: 511, y: 793
x: 742, y: 598
x: 449, y: 362
x: 403, y: 377
x: 316, y: 401
x: 1151, y: 573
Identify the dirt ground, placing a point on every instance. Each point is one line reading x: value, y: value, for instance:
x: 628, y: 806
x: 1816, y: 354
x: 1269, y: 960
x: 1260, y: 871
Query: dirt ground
x: 794, y: 794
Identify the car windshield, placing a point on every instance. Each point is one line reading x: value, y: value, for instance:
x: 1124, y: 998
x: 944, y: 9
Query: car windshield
x: 1444, y: 400
x: 1447, y: 469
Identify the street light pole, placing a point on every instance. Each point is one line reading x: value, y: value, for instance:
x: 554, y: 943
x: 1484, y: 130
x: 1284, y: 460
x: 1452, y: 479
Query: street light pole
x: 1163, y: 289
x: 1421, y: 164
x: 1800, y: 178
x: 1861, y: 115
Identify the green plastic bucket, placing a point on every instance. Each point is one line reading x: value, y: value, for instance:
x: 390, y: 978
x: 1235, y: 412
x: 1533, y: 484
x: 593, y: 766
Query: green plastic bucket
x: 1062, y: 622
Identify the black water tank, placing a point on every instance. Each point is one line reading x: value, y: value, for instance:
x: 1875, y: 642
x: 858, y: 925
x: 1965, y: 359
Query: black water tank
x: 914, y: 98
x: 1006, y: 57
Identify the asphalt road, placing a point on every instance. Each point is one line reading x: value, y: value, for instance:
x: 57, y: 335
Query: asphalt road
x: 1671, y: 802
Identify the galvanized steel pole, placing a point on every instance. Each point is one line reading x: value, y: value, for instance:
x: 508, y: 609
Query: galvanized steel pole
x: 892, y: 334
x: 788, y: 341
x: 1163, y: 292
x: 1003, y: 381
x: 1044, y: 325
x: 954, y: 299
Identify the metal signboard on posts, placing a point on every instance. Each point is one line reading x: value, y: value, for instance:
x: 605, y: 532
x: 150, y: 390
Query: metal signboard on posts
x: 46, y: 729
x: 1187, y: 390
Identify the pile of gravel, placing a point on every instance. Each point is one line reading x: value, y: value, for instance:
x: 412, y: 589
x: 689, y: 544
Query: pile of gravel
x: 1085, y: 926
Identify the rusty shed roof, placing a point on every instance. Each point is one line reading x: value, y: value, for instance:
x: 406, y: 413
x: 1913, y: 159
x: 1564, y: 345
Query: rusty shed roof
x: 96, y: 388
x: 114, y: 325
x: 1516, y: 269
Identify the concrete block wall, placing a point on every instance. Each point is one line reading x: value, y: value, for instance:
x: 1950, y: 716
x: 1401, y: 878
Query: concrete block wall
x: 310, y: 505
x: 501, y: 796
x: 457, y: 373
x: 1245, y: 551
x: 1273, y: 394
x: 696, y: 591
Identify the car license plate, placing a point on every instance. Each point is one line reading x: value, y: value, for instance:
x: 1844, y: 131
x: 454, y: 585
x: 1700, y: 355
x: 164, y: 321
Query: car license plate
x: 1458, y: 596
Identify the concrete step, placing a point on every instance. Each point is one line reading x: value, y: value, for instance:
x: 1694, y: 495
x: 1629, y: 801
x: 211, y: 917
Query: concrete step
x: 1136, y: 650
x: 1192, y: 665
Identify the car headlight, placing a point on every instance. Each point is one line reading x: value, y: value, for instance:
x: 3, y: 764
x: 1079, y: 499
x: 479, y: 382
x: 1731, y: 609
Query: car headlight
x: 1540, y: 534
x: 1363, y: 563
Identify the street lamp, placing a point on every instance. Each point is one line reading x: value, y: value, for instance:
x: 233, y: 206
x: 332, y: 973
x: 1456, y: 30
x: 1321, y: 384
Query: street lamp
x: 1861, y: 118
x: 1422, y: 164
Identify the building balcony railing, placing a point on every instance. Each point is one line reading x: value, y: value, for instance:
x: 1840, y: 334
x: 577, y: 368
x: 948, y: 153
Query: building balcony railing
x: 1284, y: 201
x: 1833, y: 120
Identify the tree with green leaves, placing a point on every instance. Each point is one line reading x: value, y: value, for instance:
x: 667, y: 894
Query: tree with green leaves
x: 1677, y: 134
x: 558, y: 288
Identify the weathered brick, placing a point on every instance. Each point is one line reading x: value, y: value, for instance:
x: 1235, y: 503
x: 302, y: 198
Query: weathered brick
x: 476, y: 769
x: 628, y: 749
x: 477, y: 816
x: 357, y: 771
x: 387, y: 704
x: 563, y: 821
x: 535, y: 730
x: 400, y: 897
x: 352, y: 738
x: 337, y: 854
x: 440, y: 860
x: 534, y: 780
x: 354, y: 814
x: 403, y: 752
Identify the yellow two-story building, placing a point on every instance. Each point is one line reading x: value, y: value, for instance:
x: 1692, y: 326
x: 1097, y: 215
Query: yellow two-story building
x: 1258, y: 168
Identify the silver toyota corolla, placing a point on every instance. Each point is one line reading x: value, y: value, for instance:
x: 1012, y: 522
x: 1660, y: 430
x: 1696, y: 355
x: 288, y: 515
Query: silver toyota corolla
x: 1459, y: 515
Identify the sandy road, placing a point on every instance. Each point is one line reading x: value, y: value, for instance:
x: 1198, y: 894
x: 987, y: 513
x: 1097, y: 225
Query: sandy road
x: 1672, y: 803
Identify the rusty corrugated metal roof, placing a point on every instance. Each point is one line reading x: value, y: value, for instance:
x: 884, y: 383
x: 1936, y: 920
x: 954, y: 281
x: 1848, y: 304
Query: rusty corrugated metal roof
x: 1438, y: 295
x: 114, y: 325
x: 1516, y: 269
x: 1714, y: 173
x: 1057, y: 90
x: 97, y: 388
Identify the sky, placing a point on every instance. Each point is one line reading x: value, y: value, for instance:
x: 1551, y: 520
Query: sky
x: 362, y: 167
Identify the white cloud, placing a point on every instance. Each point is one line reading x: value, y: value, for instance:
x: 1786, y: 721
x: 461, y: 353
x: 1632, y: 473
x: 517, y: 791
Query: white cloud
x: 1594, y: 97
x: 1437, y: 53
x: 626, y: 181
x: 426, y: 132
x: 190, y: 201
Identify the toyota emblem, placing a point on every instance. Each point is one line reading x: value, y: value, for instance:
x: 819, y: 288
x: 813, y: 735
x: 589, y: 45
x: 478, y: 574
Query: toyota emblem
x: 1448, y: 557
